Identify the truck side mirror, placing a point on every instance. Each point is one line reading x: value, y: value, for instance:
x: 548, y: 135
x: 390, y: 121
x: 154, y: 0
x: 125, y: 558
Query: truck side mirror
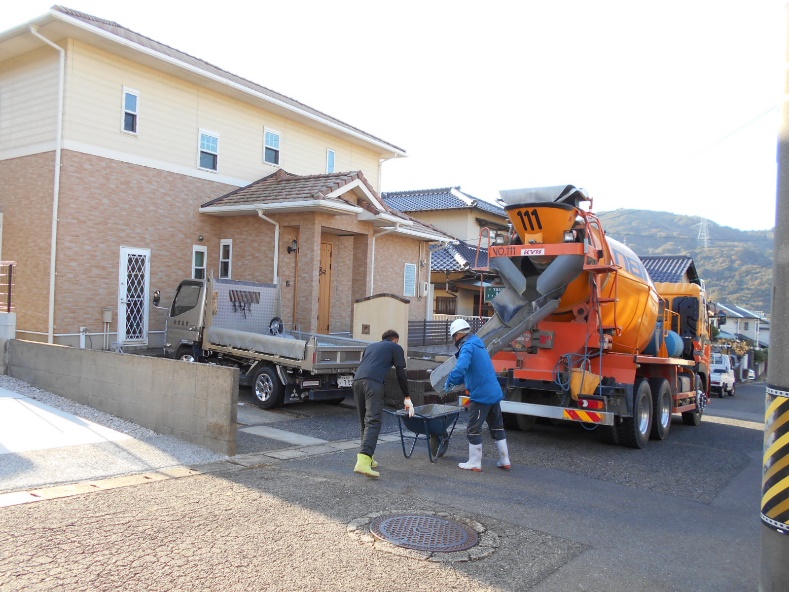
x: 157, y: 296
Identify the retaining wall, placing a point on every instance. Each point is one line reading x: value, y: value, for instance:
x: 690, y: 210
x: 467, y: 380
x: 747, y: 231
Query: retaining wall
x: 197, y: 403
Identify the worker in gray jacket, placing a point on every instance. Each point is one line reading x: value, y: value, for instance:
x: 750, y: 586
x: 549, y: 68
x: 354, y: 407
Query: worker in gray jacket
x: 368, y: 391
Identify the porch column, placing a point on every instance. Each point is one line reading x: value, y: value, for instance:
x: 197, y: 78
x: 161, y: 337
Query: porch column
x: 309, y: 260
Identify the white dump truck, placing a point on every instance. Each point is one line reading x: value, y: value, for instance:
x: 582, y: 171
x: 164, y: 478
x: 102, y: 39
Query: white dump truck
x: 235, y: 323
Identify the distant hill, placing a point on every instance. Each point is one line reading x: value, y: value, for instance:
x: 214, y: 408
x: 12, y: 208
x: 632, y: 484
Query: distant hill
x: 736, y: 265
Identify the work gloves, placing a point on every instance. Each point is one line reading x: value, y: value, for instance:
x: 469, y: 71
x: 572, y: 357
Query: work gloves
x: 409, y: 406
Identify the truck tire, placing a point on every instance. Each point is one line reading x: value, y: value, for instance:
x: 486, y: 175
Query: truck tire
x: 693, y: 418
x: 733, y: 387
x: 607, y: 434
x: 516, y: 421
x: 634, y: 431
x: 185, y: 353
x: 267, y: 388
x: 662, y: 403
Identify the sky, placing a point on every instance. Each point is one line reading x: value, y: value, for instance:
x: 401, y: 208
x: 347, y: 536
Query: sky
x: 670, y: 106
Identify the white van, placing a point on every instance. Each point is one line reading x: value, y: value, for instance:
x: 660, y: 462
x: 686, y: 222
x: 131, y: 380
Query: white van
x: 722, y: 375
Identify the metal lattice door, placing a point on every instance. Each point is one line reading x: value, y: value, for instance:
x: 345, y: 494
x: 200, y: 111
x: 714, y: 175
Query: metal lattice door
x: 133, y: 296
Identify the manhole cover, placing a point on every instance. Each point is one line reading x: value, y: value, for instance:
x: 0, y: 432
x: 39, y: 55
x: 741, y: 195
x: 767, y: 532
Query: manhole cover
x: 424, y: 533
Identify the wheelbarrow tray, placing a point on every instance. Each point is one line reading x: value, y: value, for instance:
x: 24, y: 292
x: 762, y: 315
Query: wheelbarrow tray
x: 433, y: 422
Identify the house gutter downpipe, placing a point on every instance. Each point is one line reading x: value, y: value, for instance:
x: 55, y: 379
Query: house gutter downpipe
x: 56, y: 191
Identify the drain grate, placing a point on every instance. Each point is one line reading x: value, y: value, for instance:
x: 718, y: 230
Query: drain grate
x: 424, y: 533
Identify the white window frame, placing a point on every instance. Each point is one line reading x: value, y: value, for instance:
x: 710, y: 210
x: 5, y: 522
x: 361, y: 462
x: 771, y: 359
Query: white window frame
x: 124, y: 111
x: 229, y: 243
x: 409, y: 283
x: 331, y: 159
x: 200, y: 149
x: 199, y: 249
x: 278, y: 148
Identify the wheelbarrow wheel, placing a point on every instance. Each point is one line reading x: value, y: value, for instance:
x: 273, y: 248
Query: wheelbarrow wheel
x: 439, y: 444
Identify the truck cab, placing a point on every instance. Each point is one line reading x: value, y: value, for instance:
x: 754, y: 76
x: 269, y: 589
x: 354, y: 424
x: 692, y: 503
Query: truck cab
x: 722, y: 375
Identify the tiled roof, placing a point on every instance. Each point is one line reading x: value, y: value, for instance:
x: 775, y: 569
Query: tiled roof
x: 444, y: 198
x: 457, y: 257
x: 128, y: 35
x: 670, y: 268
x: 733, y: 311
x: 282, y: 187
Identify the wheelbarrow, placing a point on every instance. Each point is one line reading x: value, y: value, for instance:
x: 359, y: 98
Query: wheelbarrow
x: 434, y: 423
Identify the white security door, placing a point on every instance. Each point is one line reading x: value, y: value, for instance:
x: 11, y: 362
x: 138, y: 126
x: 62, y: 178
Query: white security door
x: 133, y: 296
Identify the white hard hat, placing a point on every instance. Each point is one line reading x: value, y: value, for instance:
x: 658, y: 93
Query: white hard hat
x: 458, y: 325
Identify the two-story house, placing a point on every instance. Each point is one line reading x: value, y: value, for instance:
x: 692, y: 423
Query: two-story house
x: 459, y: 270
x: 127, y: 165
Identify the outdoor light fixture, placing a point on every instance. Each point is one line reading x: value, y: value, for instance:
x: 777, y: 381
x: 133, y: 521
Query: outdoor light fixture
x: 294, y: 246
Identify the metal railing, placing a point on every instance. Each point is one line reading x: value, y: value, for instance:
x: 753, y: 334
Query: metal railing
x: 7, y: 269
x: 436, y: 332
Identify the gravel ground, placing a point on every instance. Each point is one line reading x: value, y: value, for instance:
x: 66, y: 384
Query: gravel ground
x: 144, y: 451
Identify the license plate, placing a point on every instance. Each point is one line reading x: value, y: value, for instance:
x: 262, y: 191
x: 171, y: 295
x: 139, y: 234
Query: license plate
x: 345, y: 380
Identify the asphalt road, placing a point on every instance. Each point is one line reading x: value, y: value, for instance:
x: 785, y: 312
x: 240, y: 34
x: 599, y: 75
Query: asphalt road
x: 572, y: 514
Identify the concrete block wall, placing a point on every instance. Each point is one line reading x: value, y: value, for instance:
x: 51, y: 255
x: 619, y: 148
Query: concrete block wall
x: 197, y: 403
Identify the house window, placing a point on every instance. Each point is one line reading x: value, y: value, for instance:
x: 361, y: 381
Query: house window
x: 198, y: 262
x: 745, y: 326
x: 445, y: 305
x: 225, y: 257
x: 271, y: 147
x: 330, y: 161
x: 409, y: 287
x: 209, y: 150
x: 131, y: 110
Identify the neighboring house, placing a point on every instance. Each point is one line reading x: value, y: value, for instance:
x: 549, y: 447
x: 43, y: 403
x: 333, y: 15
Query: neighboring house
x: 745, y: 325
x: 120, y: 161
x: 672, y: 268
x: 459, y: 270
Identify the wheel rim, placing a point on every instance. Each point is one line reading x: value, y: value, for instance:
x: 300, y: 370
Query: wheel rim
x: 264, y: 388
x: 665, y: 411
x: 643, y: 418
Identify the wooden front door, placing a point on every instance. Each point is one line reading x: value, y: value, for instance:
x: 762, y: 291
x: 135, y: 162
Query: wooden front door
x: 324, y: 289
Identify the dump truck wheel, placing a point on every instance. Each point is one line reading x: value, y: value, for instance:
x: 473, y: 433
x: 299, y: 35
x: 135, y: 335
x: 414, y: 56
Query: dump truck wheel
x: 634, y: 431
x: 185, y: 353
x: 516, y: 421
x: 267, y: 388
x: 607, y: 434
x: 661, y: 408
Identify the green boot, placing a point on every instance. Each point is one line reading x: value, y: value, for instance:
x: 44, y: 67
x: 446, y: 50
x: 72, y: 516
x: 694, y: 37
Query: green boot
x: 363, y: 466
x: 373, y: 463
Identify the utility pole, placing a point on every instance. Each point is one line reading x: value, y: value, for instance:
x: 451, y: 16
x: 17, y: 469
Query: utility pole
x: 704, y: 233
x: 775, y: 462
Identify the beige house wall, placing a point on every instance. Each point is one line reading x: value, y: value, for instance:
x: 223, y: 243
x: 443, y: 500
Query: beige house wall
x: 28, y: 101
x: 172, y: 112
x: 391, y: 255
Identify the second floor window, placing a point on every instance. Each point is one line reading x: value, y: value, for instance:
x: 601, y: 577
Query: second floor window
x: 271, y: 147
x: 209, y: 150
x: 330, y: 161
x: 198, y: 262
x: 131, y: 110
x: 225, y: 257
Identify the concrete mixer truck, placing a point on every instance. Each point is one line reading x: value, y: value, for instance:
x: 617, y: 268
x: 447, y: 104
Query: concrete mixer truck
x: 580, y: 332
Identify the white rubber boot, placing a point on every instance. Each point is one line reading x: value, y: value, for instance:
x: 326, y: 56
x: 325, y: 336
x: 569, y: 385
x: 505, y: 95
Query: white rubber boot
x: 504, y: 455
x: 474, y: 458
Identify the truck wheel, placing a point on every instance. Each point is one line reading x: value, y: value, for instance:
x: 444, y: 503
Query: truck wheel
x: 607, y: 434
x: 185, y: 354
x: 694, y: 417
x: 634, y: 431
x: 516, y: 421
x: 267, y: 388
x: 733, y: 387
x: 662, y: 403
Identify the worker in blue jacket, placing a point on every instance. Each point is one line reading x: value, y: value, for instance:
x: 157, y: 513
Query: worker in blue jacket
x: 475, y: 368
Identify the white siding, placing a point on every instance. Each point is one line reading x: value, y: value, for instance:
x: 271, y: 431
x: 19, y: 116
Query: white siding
x: 28, y: 102
x: 171, y: 113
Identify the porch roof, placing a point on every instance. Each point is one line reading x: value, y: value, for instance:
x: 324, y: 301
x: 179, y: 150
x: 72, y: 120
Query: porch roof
x: 283, y: 192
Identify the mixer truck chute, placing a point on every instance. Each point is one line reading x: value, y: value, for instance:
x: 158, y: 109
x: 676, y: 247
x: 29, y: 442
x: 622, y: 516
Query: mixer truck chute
x: 580, y: 332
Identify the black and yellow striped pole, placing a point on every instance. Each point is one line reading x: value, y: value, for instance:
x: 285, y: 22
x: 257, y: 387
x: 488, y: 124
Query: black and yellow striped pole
x: 774, y: 575
x: 775, y: 474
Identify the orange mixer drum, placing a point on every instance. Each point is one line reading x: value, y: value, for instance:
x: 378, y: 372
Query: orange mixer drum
x: 635, y: 311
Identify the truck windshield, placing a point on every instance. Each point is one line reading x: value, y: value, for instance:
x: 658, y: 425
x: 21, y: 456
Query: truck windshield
x: 186, y: 298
